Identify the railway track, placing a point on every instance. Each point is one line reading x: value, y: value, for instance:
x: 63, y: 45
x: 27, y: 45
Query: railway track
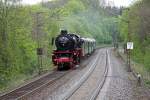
x: 30, y: 88
x: 101, y: 82
x: 82, y: 80
x: 34, y: 86
x: 79, y: 89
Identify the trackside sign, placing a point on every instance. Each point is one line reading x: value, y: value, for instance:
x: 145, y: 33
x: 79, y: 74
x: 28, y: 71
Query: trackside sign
x: 130, y: 45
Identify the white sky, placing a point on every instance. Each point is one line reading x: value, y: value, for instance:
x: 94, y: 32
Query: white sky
x: 116, y: 2
x: 31, y: 2
x: 121, y: 2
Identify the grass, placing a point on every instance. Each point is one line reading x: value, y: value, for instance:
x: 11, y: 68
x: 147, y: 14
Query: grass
x: 137, y: 68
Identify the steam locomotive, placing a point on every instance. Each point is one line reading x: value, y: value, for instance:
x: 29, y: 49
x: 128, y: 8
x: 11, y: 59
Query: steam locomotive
x: 70, y: 48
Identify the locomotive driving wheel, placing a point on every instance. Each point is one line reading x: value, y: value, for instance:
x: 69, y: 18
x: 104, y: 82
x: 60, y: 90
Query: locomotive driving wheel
x: 64, y: 66
x: 60, y: 66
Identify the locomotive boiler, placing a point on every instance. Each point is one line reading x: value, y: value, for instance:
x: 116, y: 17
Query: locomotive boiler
x: 66, y: 41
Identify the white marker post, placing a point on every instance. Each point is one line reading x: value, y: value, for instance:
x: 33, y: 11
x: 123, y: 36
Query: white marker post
x: 129, y: 47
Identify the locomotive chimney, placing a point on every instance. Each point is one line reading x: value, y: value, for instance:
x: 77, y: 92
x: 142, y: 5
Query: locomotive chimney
x: 63, y: 32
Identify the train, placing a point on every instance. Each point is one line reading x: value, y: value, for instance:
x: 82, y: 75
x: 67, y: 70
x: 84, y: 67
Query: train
x: 70, y: 49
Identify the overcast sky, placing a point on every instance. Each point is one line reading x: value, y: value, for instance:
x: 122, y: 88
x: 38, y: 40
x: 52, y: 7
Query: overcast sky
x: 33, y: 1
x: 121, y: 2
x: 116, y: 2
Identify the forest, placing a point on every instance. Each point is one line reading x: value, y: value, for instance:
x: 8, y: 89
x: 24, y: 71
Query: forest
x: 134, y: 24
x: 24, y: 28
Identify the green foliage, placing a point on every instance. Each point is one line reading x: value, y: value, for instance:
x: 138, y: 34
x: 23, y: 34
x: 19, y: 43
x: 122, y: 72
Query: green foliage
x: 87, y: 20
x: 18, y: 58
x: 18, y: 50
x: 138, y: 17
x: 73, y: 6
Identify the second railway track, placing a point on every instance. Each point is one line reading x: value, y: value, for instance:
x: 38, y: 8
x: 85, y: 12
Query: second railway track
x: 101, y: 81
x: 90, y: 88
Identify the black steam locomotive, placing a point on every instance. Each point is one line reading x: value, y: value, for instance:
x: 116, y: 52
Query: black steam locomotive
x: 70, y: 48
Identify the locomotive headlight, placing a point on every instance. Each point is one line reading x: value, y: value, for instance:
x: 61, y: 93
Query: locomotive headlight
x: 63, y: 40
